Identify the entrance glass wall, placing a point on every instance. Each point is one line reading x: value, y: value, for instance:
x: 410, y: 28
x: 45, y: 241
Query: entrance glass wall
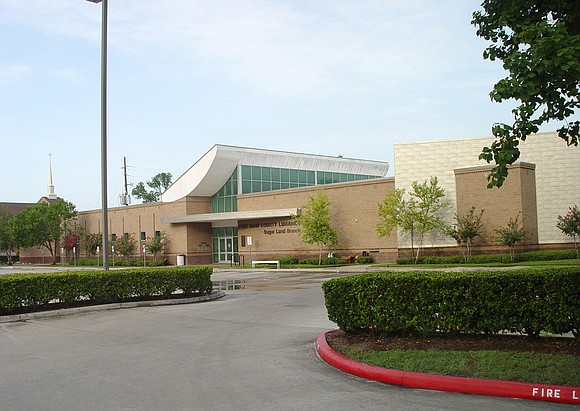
x: 224, y: 244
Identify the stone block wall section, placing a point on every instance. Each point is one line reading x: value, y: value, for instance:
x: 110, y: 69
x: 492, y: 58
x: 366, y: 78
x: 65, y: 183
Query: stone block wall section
x: 556, y: 175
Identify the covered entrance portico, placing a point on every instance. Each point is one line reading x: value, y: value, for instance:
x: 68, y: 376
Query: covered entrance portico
x: 224, y: 227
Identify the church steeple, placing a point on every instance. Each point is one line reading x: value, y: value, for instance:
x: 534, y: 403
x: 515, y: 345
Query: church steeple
x: 50, y: 187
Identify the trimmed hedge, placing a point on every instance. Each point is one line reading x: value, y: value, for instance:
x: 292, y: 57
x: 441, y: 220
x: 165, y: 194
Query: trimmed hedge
x: 324, y: 261
x: 4, y: 259
x: 119, y: 262
x: 545, y: 255
x: 527, y: 301
x: 287, y: 260
x: 365, y: 259
x: 34, y: 292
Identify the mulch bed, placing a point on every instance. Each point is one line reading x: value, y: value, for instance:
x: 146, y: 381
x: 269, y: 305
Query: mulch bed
x: 453, y: 342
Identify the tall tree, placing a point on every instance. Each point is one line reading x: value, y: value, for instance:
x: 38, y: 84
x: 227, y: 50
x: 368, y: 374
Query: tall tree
x: 416, y: 215
x: 539, y: 45
x: 158, y: 184
x: 42, y: 225
x: 8, y: 241
x: 314, y: 219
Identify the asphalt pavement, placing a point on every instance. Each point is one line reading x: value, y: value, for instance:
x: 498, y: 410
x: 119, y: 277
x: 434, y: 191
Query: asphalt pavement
x: 250, y: 350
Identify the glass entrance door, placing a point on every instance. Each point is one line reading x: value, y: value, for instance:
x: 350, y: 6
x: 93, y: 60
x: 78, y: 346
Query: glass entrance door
x: 226, y: 249
x: 225, y: 244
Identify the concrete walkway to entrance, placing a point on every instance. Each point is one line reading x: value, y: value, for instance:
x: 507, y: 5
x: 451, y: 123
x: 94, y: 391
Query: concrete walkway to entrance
x: 250, y: 350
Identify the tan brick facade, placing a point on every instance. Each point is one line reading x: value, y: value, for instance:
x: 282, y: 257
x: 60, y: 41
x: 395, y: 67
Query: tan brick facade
x: 353, y: 213
x: 516, y: 197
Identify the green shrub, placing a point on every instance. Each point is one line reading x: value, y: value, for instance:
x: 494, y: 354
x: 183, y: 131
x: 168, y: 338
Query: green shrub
x: 95, y: 262
x: 523, y: 301
x: 364, y: 259
x: 324, y: 261
x: 28, y: 292
x: 4, y: 259
x: 287, y: 260
x: 544, y: 255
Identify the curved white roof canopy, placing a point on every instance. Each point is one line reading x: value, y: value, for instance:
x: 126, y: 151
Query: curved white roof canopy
x: 211, y: 172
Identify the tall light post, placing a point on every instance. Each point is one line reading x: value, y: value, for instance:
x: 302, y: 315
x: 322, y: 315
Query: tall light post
x: 105, y: 217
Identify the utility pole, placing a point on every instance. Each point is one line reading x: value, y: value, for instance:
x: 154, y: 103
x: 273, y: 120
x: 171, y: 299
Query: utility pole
x: 126, y: 200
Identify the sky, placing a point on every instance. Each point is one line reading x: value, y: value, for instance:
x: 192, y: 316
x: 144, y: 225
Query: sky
x: 327, y: 77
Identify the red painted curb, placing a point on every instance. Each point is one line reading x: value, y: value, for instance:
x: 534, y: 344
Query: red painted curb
x: 478, y: 386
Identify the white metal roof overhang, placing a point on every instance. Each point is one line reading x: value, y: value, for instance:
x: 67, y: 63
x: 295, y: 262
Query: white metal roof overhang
x: 233, y: 216
x: 210, y: 172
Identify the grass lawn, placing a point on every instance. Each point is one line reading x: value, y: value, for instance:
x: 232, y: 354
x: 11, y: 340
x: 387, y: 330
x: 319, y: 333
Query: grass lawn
x: 558, y: 368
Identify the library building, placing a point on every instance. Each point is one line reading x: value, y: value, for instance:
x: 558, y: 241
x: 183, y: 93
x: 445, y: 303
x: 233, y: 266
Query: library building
x: 237, y: 204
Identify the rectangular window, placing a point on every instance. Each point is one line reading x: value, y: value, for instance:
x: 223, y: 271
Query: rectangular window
x: 302, y: 176
x: 246, y: 173
x: 243, y: 241
x: 266, y: 174
x: 256, y: 186
x: 246, y: 187
x: 284, y: 175
x: 256, y: 173
x: 214, y: 206
x: 113, y: 237
x: 294, y: 176
x: 157, y: 233
x: 275, y: 185
x: 266, y: 186
x: 311, y: 178
x: 275, y: 174
x: 143, y: 236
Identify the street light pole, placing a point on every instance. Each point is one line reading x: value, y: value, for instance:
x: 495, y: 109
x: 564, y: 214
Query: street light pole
x: 105, y: 217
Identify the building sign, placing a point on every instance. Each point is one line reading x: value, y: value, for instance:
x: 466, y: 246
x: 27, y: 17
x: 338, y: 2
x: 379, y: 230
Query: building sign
x: 282, y: 227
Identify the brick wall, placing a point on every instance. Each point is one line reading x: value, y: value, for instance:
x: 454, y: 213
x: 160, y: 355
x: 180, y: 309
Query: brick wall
x: 353, y: 213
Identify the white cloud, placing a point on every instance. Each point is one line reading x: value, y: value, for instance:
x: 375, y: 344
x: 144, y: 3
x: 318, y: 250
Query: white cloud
x: 296, y: 48
x: 11, y: 73
x: 69, y: 75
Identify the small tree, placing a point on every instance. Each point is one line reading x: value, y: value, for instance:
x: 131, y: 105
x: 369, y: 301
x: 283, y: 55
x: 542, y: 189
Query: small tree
x: 570, y: 225
x: 396, y: 211
x: 156, y: 244
x: 8, y: 241
x: 158, y: 183
x: 416, y: 215
x: 315, y: 222
x: 92, y: 242
x: 465, y: 229
x: 510, y: 235
x: 126, y: 245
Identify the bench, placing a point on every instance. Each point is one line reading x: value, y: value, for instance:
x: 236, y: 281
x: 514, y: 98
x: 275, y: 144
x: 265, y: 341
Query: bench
x: 266, y: 262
